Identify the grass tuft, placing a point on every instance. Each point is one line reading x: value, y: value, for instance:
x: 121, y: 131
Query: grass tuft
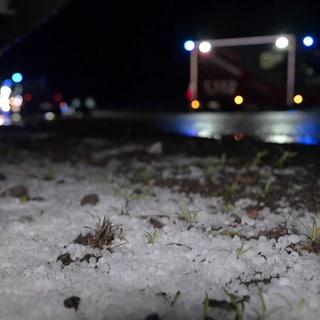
x: 152, y: 237
x: 103, y: 234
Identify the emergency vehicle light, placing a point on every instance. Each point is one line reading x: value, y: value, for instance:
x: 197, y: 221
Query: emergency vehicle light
x: 189, y: 45
x: 308, y: 41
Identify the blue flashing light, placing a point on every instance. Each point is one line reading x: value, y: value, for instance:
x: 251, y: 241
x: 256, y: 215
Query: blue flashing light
x: 311, y: 141
x: 308, y: 41
x: 7, y: 83
x: 189, y: 45
x: 17, y: 77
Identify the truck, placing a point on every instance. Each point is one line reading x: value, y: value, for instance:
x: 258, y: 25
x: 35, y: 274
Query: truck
x: 254, y: 73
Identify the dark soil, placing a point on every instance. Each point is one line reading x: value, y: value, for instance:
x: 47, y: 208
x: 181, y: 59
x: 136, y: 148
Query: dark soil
x: 302, y: 189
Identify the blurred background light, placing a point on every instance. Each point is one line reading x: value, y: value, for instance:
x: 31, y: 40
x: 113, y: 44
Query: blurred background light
x: 49, y: 116
x: 64, y: 108
x: 90, y: 103
x: 238, y: 136
x: 4, y: 105
x: 16, y: 117
x: 189, y: 45
x: 16, y: 103
x: 238, y: 99
x: 27, y: 96
x: 7, y: 82
x: 282, y: 42
x: 195, y: 104
x: 4, y: 121
x: 297, y: 99
x: 18, y: 89
x: 308, y: 41
x: 205, y: 47
x: 5, y: 91
x: 17, y: 77
x: 58, y: 96
x: 76, y: 103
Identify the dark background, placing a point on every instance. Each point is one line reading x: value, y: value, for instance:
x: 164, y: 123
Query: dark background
x: 130, y: 54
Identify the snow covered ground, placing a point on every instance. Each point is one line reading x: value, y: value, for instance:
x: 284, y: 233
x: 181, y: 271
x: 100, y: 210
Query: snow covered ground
x: 95, y: 230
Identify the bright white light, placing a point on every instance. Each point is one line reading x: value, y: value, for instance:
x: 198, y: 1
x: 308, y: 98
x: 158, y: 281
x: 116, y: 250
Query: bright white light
x: 189, y: 45
x: 279, y: 138
x: 5, y: 92
x: 4, y: 105
x: 205, y: 47
x: 4, y: 99
x: 282, y: 42
x: 308, y: 41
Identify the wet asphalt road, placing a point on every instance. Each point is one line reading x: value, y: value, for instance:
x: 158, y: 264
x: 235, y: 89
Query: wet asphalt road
x: 296, y: 126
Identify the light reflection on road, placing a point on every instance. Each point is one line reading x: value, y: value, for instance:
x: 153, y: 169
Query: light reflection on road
x: 292, y: 126
x: 271, y: 126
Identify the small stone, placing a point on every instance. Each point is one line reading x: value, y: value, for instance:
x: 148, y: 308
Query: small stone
x: 18, y: 191
x: 91, y: 199
x: 152, y: 316
x: 65, y: 259
x: 72, y: 302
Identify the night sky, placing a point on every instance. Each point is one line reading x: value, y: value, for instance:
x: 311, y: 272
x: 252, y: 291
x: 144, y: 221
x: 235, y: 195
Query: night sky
x: 131, y: 54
